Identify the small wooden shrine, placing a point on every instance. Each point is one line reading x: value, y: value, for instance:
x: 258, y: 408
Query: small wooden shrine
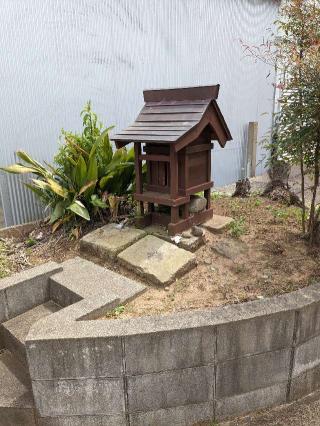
x: 176, y: 127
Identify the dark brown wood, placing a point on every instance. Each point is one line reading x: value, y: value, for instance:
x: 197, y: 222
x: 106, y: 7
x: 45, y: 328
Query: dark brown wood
x: 145, y: 138
x: 199, y: 148
x: 177, y: 127
x: 156, y: 157
x: 182, y: 94
x: 173, y: 102
x: 172, y: 109
x: 174, y: 179
x: 175, y: 117
x: 199, y: 188
x: 156, y: 188
x: 161, y: 198
x: 196, y: 219
x: 152, y: 132
x: 174, y: 215
x: 185, y: 211
x: 157, y: 149
x: 184, y: 125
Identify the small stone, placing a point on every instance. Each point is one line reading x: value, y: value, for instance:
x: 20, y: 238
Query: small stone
x: 167, y: 288
x: 197, y: 231
x: 197, y: 204
x: 230, y: 248
x: 207, y: 261
x: 217, y: 223
x: 186, y: 234
x: 191, y: 244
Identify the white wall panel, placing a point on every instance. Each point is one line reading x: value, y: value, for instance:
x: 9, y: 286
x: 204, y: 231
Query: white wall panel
x: 57, y: 54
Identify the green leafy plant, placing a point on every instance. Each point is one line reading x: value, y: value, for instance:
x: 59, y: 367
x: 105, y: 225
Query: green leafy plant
x: 238, y: 227
x: 87, y: 173
x: 257, y: 202
x: 116, y: 312
x: 280, y: 213
x: 31, y: 242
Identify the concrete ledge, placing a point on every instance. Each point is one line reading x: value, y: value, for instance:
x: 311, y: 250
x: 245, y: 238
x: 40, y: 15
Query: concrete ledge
x: 25, y: 290
x: 177, y: 369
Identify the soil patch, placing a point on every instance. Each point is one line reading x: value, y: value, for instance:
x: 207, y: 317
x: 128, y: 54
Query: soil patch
x: 268, y: 257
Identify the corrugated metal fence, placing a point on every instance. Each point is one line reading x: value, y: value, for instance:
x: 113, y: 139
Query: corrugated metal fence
x: 57, y: 54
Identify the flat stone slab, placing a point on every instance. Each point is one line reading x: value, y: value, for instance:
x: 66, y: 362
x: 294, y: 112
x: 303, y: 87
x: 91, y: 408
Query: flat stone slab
x: 157, y: 260
x: 110, y: 240
x: 217, y: 223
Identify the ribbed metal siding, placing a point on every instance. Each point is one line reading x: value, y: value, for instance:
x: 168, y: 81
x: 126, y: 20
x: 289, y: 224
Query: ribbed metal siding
x: 56, y: 54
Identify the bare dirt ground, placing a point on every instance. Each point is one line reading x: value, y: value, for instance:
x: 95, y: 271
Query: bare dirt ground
x: 305, y: 412
x: 271, y: 259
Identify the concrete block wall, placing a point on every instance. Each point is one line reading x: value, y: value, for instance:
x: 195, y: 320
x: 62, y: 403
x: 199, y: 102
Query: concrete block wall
x: 305, y: 375
x: 25, y: 290
x: 176, y: 369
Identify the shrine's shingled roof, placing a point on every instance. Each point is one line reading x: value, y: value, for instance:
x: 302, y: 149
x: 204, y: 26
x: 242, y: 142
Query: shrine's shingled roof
x: 169, y: 114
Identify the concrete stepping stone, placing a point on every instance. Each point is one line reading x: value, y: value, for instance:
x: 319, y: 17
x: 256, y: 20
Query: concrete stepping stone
x: 217, y: 223
x: 110, y: 240
x: 157, y: 260
x: 16, y: 400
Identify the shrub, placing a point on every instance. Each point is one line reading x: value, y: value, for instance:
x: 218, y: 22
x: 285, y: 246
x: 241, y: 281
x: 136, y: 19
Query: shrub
x: 86, y: 173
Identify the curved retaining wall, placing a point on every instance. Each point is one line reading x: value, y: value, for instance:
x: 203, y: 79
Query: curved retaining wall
x: 176, y: 369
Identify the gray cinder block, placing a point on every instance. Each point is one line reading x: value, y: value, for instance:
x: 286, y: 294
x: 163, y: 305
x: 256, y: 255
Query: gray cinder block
x: 307, y: 382
x: 75, y: 358
x: 82, y: 421
x: 186, y: 415
x: 79, y: 397
x: 254, y: 372
x: 170, y: 389
x: 168, y: 350
x: 256, y: 335
x: 308, y: 322
x: 307, y: 356
x: 250, y: 401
